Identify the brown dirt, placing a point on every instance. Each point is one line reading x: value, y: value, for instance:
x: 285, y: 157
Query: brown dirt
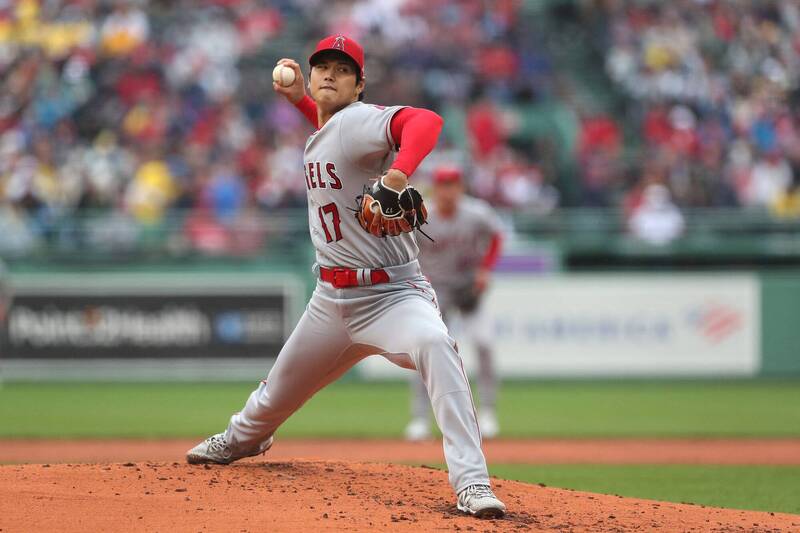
x: 321, y: 496
x: 544, y: 451
x: 321, y: 485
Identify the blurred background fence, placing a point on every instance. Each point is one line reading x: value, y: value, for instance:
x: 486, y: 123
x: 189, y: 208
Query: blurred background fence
x: 582, y: 238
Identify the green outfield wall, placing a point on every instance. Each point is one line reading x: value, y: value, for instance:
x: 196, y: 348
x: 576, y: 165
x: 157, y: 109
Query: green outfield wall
x: 780, y: 324
x: 547, y: 325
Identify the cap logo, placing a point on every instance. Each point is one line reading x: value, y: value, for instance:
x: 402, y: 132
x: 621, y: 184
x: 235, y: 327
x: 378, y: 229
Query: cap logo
x: 339, y: 43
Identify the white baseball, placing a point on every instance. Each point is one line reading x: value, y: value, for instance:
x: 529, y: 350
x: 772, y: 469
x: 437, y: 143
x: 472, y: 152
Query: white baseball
x: 283, y: 75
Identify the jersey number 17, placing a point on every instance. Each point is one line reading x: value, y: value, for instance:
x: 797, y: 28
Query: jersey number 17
x: 331, y: 210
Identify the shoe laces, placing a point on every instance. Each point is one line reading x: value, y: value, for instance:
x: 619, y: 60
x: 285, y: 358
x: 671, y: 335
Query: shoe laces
x: 479, y: 491
x: 217, y: 443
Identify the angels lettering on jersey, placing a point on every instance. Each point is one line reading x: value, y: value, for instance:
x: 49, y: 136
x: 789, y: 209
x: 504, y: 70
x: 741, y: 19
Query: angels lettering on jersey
x: 322, y: 174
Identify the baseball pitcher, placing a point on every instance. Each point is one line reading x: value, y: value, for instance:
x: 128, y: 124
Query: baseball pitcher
x: 371, y: 296
x: 467, y: 237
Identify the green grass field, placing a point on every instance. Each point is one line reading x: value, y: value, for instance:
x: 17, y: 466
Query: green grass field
x: 760, y: 488
x: 534, y: 409
x: 575, y: 409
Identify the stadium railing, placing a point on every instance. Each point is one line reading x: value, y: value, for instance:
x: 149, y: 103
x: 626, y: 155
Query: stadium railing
x: 585, y: 238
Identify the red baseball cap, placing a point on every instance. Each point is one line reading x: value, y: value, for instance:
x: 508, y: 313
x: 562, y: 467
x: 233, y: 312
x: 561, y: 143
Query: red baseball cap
x: 447, y: 174
x: 341, y: 43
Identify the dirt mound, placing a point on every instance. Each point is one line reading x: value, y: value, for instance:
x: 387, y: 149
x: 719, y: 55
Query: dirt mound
x: 320, y: 495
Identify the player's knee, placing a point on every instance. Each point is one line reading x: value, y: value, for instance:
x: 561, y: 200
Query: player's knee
x: 436, y: 343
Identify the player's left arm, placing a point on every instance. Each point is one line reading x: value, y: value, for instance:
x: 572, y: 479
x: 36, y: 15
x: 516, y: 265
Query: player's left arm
x: 490, y: 226
x: 414, y: 133
x: 488, y: 262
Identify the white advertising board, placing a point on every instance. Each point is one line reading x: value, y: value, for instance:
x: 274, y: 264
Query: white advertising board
x: 615, y: 325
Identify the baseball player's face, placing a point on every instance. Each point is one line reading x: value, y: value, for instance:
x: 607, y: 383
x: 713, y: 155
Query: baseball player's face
x: 447, y: 196
x: 333, y: 82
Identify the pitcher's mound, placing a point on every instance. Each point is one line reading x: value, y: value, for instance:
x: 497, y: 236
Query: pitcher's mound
x: 320, y: 495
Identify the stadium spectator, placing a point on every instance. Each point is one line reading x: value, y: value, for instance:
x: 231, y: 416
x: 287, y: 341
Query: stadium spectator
x: 150, y: 192
x: 787, y: 202
x: 770, y: 176
x: 124, y: 30
x: 656, y: 220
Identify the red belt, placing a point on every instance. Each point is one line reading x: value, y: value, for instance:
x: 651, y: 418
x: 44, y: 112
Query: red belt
x: 342, y: 278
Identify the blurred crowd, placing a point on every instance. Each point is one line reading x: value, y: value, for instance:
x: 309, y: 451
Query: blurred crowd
x: 138, y: 110
x: 713, y: 94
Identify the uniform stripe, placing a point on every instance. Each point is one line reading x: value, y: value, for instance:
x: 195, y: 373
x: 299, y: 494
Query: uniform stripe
x: 471, y: 399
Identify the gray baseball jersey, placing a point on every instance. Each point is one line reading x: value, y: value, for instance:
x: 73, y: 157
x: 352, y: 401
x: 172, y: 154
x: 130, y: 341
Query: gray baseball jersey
x: 352, y: 148
x: 459, y: 244
x: 399, y: 320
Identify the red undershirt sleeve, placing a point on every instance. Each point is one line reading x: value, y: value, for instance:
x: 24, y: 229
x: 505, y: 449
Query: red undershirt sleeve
x: 308, y: 108
x: 492, y: 252
x: 415, y: 131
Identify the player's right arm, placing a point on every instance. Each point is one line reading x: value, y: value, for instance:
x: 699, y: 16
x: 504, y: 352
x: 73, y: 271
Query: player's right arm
x: 296, y: 92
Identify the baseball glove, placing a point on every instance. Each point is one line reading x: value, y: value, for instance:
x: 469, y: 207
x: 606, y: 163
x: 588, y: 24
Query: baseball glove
x: 383, y: 211
x: 466, y: 298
